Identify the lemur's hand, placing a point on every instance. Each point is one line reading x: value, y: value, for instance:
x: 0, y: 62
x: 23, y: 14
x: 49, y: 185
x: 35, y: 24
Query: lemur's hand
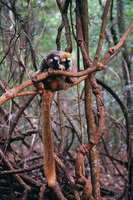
x: 33, y: 78
x: 50, y: 71
x: 33, y: 75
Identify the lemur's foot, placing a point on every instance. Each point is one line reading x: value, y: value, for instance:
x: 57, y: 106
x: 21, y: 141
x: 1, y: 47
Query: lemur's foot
x: 34, y: 79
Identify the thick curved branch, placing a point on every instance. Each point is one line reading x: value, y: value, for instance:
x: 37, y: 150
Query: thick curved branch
x: 30, y: 92
x: 10, y: 94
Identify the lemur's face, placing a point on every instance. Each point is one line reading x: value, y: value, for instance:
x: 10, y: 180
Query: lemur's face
x: 59, y: 61
x: 53, y: 61
x: 65, y: 59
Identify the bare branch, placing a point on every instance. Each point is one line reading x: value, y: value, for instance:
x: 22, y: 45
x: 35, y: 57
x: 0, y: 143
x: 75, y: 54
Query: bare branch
x: 112, y: 50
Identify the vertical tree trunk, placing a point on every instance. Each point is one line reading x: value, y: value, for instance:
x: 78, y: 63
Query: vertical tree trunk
x: 88, y: 107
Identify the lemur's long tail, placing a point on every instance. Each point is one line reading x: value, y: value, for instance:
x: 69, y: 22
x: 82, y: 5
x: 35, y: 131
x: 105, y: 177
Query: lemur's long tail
x: 49, y: 162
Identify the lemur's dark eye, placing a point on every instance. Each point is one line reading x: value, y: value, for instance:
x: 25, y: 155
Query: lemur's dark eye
x: 50, y: 60
x: 63, y: 61
x: 53, y: 60
x: 68, y: 59
x: 56, y: 58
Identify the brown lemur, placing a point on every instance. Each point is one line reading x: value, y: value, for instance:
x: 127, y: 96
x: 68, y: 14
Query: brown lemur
x: 55, y: 60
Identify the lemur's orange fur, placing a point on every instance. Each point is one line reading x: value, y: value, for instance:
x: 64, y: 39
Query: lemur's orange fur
x: 47, y: 138
x: 65, y: 55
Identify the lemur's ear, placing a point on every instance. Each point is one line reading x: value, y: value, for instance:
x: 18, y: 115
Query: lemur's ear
x: 65, y: 56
